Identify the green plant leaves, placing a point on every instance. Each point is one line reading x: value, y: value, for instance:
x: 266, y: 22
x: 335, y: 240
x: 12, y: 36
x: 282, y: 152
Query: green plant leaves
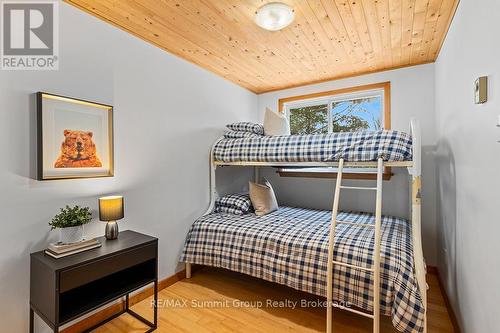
x: 71, y: 217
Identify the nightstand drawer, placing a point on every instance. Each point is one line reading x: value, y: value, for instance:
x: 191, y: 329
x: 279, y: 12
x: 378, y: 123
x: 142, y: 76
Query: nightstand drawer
x: 98, y: 269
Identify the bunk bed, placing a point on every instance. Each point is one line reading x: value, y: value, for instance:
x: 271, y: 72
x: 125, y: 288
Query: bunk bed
x: 364, y: 263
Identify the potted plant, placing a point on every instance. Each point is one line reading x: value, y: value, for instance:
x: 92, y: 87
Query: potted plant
x: 70, y: 222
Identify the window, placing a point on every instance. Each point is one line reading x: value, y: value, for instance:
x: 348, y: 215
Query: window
x: 364, y: 108
x: 349, y: 112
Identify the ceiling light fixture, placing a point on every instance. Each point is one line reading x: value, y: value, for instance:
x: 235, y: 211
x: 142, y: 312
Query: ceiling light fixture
x: 274, y: 16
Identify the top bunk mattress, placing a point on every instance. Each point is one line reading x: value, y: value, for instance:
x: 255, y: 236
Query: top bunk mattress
x: 391, y: 146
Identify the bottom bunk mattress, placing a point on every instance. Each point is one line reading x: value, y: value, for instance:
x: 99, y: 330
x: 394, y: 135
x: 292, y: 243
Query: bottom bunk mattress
x: 290, y: 247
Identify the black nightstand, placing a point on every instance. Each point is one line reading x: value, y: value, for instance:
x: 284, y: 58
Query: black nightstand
x: 64, y: 289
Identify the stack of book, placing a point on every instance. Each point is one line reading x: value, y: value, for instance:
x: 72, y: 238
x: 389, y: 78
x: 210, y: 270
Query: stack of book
x: 60, y: 250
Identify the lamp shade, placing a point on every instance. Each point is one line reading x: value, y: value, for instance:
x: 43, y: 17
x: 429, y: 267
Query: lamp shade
x: 274, y: 16
x: 111, y: 208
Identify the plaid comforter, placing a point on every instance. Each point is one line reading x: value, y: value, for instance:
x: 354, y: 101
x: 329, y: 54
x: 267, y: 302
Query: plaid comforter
x: 290, y: 247
x: 352, y: 146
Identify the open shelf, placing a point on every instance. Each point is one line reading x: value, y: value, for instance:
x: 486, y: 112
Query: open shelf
x: 75, y: 302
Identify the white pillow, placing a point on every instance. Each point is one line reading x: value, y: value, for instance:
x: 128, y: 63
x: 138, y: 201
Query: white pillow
x: 263, y: 198
x: 275, y: 123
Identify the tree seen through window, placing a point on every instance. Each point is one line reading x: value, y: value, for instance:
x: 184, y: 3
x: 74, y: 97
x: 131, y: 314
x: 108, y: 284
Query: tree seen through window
x: 357, y: 114
x: 309, y: 119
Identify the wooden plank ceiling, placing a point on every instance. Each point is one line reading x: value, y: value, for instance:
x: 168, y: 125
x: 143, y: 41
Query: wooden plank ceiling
x: 329, y: 39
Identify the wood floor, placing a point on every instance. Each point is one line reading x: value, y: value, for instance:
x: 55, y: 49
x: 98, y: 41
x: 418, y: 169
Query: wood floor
x: 214, y: 303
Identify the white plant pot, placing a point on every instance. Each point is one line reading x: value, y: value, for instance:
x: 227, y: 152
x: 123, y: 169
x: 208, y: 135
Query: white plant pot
x: 71, y: 234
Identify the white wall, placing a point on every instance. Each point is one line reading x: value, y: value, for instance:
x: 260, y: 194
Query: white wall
x: 167, y: 114
x: 468, y: 159
x: 412, y: 92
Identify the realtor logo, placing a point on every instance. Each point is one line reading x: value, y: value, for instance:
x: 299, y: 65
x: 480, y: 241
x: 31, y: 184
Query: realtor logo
x: 29, y: 36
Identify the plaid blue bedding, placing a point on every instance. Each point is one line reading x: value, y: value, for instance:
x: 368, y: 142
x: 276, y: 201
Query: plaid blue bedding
x: 290, y: 247
x: 240, y: 135
x: 238, y: 203
x: 352, y: 146
x: 246, y: 126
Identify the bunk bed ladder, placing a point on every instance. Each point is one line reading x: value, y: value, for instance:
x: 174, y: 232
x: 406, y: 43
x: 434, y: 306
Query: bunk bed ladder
x: 375, y: 269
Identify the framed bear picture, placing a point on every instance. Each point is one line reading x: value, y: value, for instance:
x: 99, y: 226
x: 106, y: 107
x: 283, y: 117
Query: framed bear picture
x: 75, y: 138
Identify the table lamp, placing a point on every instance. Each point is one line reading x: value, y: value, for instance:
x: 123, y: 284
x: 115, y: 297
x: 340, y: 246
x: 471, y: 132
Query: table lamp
x: 110, y: 210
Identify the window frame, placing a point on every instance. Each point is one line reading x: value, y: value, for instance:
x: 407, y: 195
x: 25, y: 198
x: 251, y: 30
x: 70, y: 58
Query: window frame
x: 328, y: 97
x: 331, y: 99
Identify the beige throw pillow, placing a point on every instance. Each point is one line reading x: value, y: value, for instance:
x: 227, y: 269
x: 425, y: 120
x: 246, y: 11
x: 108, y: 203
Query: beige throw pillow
x: 263, y: 198
x: 275, y: 123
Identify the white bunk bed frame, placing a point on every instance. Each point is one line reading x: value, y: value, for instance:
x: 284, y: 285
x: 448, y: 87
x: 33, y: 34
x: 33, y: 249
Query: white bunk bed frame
x: 414, y: 171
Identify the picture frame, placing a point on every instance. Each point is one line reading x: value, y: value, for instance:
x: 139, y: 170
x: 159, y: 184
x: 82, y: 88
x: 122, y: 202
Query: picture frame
x: 74, y: 138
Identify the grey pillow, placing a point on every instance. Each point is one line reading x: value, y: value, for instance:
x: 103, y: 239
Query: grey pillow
x: 263, y: 198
